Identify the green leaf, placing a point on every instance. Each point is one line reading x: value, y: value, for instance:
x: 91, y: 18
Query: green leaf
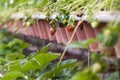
x: 30, y: 65
x: 41, y: 3
x: 80, y: 76
x: 17, y: 2
x: 65, y: 64
x: 96, y: 57
x: 14, y: 67
x: 39, y: 61
x: 2, y: 60
x: 52, y: 70
x: 19, y: 43
x: 3, y: 33
x: 109, y: 40
x: 82, y: 44
x: 12, y: 75
x: 84, y: 76
x: 14, y: 56
x: 4, y: 49
x: 45, y: 49
x: 45, y: 59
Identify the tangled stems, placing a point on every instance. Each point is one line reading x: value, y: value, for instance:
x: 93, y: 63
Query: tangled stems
x: 79, y: 6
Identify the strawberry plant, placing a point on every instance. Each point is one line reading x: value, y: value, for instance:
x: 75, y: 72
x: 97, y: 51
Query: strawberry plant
x: 42, y: 64
x: 15, y: 65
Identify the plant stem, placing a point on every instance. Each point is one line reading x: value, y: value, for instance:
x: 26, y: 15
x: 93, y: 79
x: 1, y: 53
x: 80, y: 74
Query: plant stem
x: 68, y: 44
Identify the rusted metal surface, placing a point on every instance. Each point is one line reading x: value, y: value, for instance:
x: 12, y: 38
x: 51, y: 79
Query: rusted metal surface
x: 41, y: 29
